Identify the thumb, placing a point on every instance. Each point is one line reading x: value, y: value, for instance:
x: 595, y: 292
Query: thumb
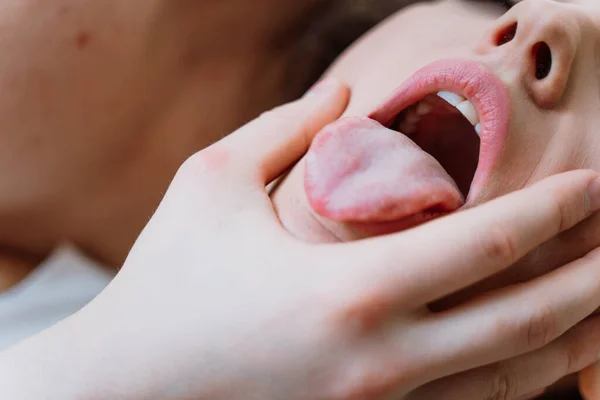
x: 269, y: 145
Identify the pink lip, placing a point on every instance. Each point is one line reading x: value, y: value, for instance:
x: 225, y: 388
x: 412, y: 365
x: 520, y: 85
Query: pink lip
x: 479, y: 85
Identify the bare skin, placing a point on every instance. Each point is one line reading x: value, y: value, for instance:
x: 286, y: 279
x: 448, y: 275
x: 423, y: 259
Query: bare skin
x: 92, y: 70
x: 553, y: 124
x: 124, y: 91
x: 290, y: 320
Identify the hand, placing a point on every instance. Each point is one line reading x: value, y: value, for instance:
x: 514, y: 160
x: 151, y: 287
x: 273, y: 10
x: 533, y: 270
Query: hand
x: 216, y: 300
x: 589, y: 382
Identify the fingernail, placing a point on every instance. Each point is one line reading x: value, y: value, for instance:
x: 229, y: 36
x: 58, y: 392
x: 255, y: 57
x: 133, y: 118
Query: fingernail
x: 593, y: 192
x: 324, y: 88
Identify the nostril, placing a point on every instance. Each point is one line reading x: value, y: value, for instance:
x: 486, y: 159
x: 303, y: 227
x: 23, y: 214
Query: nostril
x: 542, y: 56
x: 507, y: 34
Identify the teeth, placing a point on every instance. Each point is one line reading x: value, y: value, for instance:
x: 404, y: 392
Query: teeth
x: 470, y: 113
x: 463, y: 105
x: 451, y: 98
x: 412, y: 115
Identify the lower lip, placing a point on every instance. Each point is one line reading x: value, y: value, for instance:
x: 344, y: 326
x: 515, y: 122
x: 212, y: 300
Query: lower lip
x: 472, y: 80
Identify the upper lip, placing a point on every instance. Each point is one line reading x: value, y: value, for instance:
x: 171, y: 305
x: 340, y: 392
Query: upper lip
x: 473, y: 81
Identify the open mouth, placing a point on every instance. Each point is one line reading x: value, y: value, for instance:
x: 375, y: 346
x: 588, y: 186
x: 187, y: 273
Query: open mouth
x: 416, y: 157
x: 446, y: 126
x: 459, y: 112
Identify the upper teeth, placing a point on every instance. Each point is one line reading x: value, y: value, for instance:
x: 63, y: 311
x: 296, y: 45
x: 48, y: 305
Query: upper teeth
x: 451, y: 98
x: 467, y: 109
x: 412, y: 115
x: 463, y: 105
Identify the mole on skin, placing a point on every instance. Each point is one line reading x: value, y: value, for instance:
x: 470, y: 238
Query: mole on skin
x: 82, y: 39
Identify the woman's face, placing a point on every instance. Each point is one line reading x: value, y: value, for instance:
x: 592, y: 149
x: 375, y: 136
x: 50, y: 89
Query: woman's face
x: 540, y: 121
x: 553, y: 117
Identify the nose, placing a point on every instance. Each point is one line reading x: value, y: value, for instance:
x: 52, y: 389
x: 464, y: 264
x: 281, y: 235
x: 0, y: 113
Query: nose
x: 537, y: 40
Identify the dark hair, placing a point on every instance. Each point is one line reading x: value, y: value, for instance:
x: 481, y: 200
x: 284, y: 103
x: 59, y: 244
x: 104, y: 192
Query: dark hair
x: 331, y: 26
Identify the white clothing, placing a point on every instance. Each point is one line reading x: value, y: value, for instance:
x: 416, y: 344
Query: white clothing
x: 57, y: 288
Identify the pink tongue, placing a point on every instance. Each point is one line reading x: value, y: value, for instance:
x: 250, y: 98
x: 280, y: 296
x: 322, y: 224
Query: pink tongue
x: 359, y: 171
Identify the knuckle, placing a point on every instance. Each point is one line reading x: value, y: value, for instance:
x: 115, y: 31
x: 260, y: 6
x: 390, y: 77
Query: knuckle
x: 211, y: 160
x: 540, y: 328
x: 192, y: 164
x: 362, y: 314
x: 498, y: 245
x: 503, y: 386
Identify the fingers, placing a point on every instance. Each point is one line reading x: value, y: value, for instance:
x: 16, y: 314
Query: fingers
x: 515, y: 320
x: 523, y: 376
x: 270, y: 144
x: 424, y: 264
x: 589, y: 382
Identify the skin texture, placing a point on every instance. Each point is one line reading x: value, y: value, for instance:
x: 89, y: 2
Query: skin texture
x: 553, y: 122
x: 92, y: 65
x: 105, y: 99
x: 288, y: 320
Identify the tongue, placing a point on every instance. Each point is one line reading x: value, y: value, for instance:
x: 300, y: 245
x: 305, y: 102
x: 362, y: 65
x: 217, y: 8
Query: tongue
x: 359, y: 171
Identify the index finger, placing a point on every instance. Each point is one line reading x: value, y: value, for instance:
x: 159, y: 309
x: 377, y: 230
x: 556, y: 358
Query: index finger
x: 431, y: 261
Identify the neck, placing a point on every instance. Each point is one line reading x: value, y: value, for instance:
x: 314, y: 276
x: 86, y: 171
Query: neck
x: 214, y: 74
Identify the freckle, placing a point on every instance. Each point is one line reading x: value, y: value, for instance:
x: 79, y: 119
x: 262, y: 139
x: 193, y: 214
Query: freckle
x: 82, y: 40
